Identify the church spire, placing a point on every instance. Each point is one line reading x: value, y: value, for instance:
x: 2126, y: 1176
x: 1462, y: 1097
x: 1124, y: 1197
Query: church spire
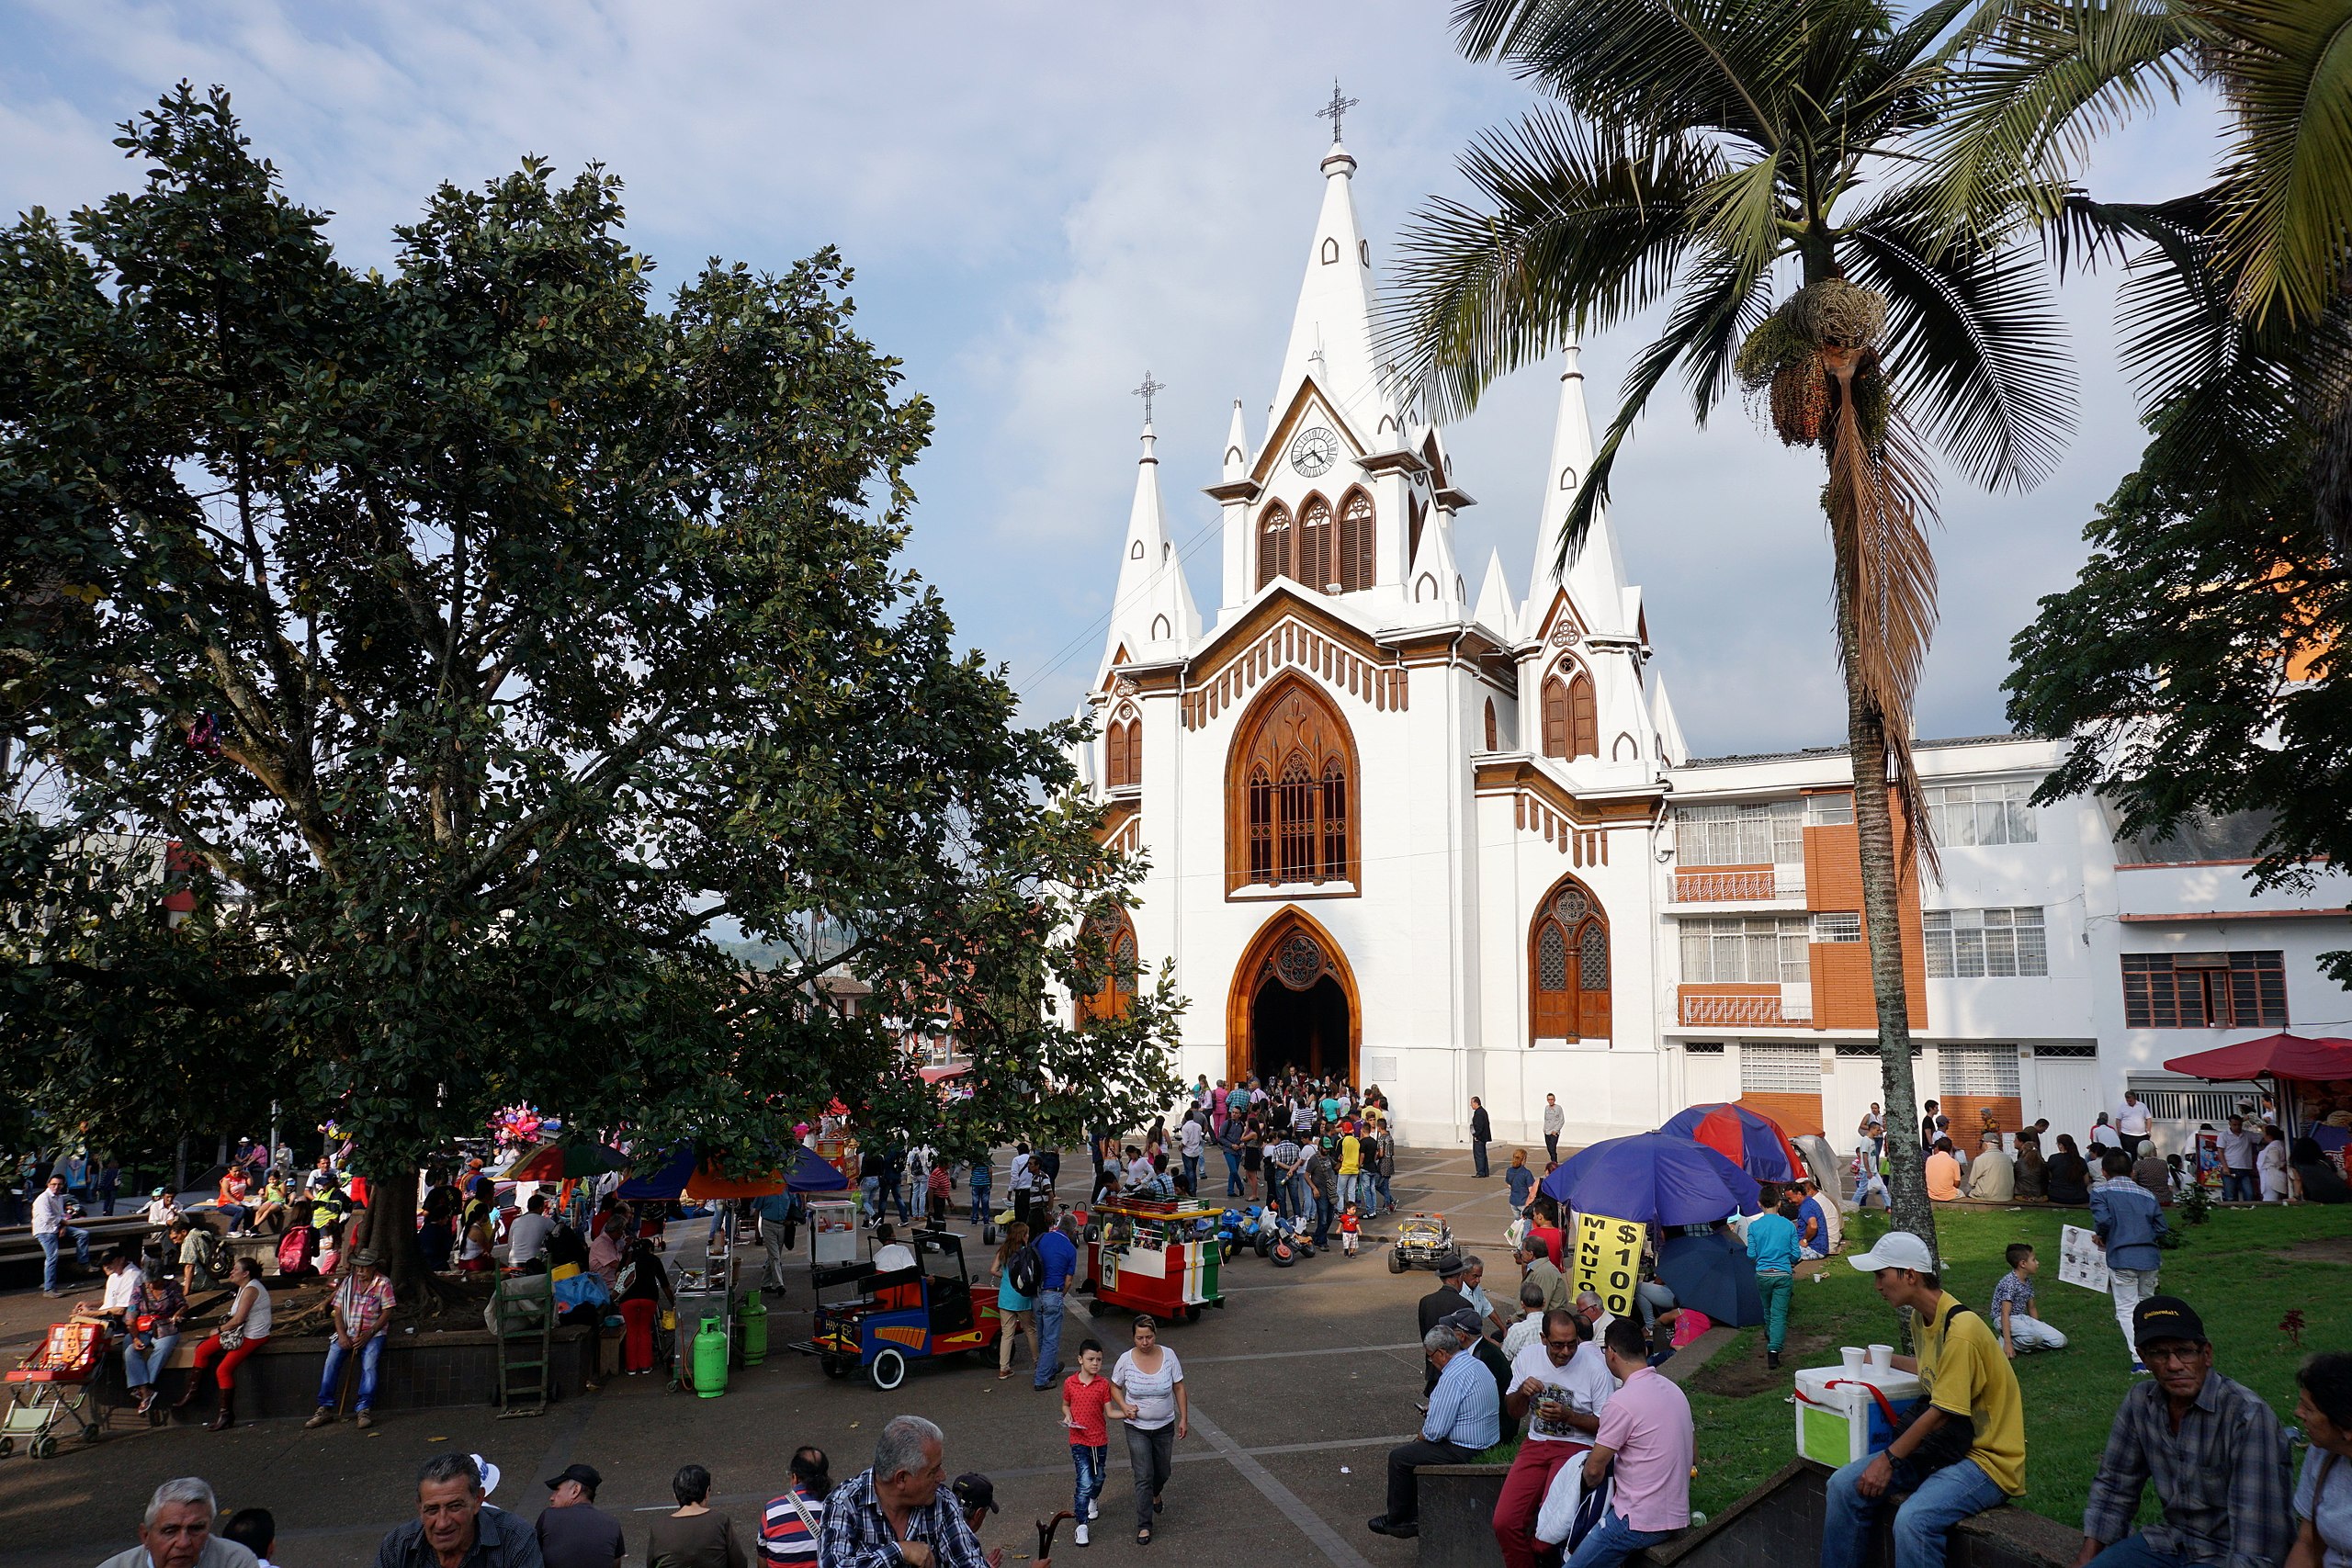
x: 1152, y: 608
x: 1595, y: 577
x: 1330, y: 332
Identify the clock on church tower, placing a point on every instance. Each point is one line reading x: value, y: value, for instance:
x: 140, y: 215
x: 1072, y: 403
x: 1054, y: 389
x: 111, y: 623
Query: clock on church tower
x: 1315, y: 451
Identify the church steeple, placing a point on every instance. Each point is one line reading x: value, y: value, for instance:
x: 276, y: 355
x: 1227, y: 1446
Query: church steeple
x: 1596, y: 576
x: 1152, y: 611
x: 1331, y: 330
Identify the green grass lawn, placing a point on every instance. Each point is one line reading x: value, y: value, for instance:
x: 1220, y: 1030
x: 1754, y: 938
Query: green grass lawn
x: 2235, y: 1272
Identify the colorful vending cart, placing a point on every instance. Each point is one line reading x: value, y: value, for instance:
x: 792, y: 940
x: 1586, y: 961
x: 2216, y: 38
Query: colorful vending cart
x: 1155, y: 1256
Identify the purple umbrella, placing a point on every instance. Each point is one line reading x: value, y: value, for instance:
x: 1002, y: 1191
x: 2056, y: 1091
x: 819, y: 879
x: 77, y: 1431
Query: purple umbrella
x: 1656, y: 1179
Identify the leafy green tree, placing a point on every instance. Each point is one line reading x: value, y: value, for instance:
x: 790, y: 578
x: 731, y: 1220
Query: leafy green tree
x: 496, y: 641
x: 1712, y: 153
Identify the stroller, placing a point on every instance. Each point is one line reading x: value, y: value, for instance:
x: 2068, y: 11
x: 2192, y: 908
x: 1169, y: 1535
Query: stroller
x: 51, y: 1386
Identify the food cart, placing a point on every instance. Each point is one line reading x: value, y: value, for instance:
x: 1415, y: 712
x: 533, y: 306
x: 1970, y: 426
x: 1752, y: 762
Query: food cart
x: 1154, y: 1255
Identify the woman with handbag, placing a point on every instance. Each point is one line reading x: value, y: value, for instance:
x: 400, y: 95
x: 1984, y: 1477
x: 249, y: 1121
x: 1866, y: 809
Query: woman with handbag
x: 157, y: 1309
x: 246, y: 1331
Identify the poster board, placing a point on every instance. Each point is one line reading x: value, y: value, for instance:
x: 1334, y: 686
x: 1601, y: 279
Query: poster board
x: 2080, y: 1261
x: 1609, y: 1260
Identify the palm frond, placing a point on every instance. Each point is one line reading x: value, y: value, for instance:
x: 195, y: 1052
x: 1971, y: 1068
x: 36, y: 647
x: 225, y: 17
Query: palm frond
x: 2286, y: 66
x: 1973, y: 337
x: 1577, y: 231
x: 1726, y: 292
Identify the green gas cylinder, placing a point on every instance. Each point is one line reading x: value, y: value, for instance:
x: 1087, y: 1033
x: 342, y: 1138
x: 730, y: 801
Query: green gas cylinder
x: 710, y: 1359
x: 751, y: 1320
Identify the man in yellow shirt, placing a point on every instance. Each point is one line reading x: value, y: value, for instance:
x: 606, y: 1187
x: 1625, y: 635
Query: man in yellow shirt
x: 1350, y: 1169
x: 1972, y: 1394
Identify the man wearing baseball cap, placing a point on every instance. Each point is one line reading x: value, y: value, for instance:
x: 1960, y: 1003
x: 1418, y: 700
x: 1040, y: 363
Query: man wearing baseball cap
x: 573, y: 1532
x: 1971, y: 1397
x: 2213, y: 1446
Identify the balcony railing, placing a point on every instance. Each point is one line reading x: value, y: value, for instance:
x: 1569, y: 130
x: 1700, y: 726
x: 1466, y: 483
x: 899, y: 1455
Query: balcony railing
x: 1735, y: 1012
x: 1735, y: 887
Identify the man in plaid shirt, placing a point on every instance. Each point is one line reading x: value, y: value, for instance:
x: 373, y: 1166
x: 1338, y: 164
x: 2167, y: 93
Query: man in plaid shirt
x: 900, y: 1513
x: 2213, y: 1446
x: 362, y: 1302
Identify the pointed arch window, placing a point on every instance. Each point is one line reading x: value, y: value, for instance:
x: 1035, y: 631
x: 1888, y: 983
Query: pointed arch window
x: 1494, y: 742
x: 1273, y: 545
x: 1570, y: 726
x: 1112, y: 935
x: 1123, y: 753
x: 1569, y: 966
x: 1317, y: 570
x: 1357, y: 550
x: 1291, y: 812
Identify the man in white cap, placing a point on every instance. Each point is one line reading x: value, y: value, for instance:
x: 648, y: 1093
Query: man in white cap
x: 1964, y: 1453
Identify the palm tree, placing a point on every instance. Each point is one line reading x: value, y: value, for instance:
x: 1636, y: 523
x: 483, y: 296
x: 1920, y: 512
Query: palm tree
x: 1717, y: 151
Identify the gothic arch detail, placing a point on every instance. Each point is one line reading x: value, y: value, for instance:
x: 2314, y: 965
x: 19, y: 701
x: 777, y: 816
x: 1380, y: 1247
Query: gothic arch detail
x: 1123, y: 752
x: 1293, y: 949
x: 1571, y: 725
x: 1567, y: 965
x: 1291, y: 787
x: 1274, y: 543
x: 1316, y: 567
x: 1330, y: 251
x: 1109, y: 1001
x: 1160, y: 629
x: 1358, y: 550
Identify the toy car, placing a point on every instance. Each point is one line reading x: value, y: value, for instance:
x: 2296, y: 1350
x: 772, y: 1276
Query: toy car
x: 1422, y: 1242
x: 902, y: 1314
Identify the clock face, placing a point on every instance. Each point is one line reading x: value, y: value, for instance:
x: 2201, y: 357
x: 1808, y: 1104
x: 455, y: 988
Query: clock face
x: 1315, y: 451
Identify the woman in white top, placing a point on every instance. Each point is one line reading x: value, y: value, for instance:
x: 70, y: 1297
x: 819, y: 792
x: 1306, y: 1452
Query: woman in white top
x: 2271, y: 1163
x: 244, y: 1332
x: 1151, y: 1381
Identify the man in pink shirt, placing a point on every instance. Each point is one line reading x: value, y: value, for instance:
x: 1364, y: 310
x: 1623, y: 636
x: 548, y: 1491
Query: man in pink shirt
x: 1646, y: 1433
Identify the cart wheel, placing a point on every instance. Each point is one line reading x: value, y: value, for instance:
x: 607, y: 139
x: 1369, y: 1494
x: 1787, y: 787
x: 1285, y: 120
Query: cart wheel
x: 835, y: 1365
x: 1192, y: 1312
x: 43, y: 1447
x: 1220, y: 1303
x: 1095, y: 1309
x: 889, y: 1369
x: 7, y: 1446
x: 159, y: 1414
x: 1396, y: 1264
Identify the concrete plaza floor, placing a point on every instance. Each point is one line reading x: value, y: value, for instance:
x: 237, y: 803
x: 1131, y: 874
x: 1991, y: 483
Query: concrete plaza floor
x: 1298, y: 1387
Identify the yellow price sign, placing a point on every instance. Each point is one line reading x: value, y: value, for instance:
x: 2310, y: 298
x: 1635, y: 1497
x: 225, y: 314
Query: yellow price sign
x: 1609, y: 1260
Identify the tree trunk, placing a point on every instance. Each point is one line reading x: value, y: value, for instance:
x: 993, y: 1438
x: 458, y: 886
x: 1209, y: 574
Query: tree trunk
x: 1906, y: 1177
x: 386, y: 1228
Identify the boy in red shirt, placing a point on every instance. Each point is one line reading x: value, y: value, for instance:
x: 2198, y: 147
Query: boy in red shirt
x: 1087, y: 1396
x: 1349, y: 1225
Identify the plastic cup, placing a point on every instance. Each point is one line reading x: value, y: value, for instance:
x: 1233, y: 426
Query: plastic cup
x: 1853, y: 1357
x: 1882, y: 1358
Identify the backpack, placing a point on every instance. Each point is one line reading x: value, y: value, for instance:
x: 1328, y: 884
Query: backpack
x: 1027, y: 1271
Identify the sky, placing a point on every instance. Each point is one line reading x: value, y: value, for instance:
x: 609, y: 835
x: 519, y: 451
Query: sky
x: 1043, y: 202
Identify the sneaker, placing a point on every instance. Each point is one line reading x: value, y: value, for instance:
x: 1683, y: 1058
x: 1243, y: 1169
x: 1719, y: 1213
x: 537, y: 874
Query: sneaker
x: 2139, y: 1368
x: 367, y: 1420
x: 1082, y: 1534
x: 1094, y: 1509
x: 325, y: 1417
x: 53, y: 1295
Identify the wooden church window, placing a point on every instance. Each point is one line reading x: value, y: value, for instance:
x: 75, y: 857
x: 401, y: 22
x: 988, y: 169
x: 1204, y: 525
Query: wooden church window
x: 1315, y: 563
x: 1122, y: 754
x: 1357, y: 550
x: 1570, y: 726
x: 1569, y: 966
x: 1273, y: 545
x: 1494, y: 740
x: 1291, y: 809
x: 1110, y: 1000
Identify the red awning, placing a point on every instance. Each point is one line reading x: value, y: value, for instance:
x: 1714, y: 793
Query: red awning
x: 2272, y: 1056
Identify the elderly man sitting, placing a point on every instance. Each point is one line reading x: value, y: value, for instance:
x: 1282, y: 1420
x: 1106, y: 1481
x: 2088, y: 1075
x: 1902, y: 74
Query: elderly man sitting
x: 898, y: 1513
x: 1464, y: 1420
x: 1992, y: 1175
x: 177, y: 1532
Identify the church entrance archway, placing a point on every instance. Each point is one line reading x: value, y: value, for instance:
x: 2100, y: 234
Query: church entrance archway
x: 1292, y: 1004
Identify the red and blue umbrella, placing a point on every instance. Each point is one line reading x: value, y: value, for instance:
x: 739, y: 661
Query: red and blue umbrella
x: 1750, y: 1139
x: 1653, y: 1179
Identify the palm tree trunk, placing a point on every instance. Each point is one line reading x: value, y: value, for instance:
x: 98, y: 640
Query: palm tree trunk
x: 1906, y: 1177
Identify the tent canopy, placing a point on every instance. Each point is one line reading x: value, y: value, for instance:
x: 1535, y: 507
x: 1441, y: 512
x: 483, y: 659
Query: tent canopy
x: 682, y: 1175
x: 811, y: 1173
x: 2272, y: 1056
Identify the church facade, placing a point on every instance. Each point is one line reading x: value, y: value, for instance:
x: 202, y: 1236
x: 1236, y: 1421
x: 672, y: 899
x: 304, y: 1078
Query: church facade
x: 1451, y: 841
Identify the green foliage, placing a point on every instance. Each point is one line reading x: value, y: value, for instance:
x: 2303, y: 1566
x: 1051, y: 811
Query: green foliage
x: 1775, y: 346
x: 2196, y: 1207
x: 496, y: 640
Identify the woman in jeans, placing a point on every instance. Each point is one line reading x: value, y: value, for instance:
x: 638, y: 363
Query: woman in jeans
x: 158, y: 1310
x: 245, y: 1332
x: 1017, y: 1312
x: 1150, y: 1381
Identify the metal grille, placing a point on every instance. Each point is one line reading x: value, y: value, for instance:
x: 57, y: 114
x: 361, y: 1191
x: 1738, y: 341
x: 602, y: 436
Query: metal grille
x: 1571, y: 905
x: 2170, y: 1099
x: 1780, y: 1069
x: 1593, y: 961
x: 1980, y: 1070
x: 1551, y: 959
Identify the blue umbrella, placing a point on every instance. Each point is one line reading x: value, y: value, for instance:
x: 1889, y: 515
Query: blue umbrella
x: 1713, y: 1274
x: 1653, y: 1179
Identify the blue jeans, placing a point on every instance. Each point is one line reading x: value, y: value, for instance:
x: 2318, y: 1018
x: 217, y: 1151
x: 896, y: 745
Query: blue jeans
x: 1613, y: 1541
x: 139, y: 1370
x: 49, y: 1245
x: 2133, y: 1551
x: 1942, y: 1501
x: 1323, y: 1221
x: 1387, y: 1199
x: 979, y: 1203
x: 1049, y: 1336
x: 1089, y: 1463
x: 1192, y: 1173
x: 1233, y: 1188
x: 2240, y: 1186
x: 337, y: 1356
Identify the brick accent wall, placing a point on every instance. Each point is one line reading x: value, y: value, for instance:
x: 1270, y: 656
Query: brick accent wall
x: 1841, y: 971
x: 1798, y: 1114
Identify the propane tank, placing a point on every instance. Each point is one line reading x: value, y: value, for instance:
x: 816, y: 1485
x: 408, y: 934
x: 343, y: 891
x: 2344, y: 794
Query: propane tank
x: 752, y: 1319
x: 710, y: 1359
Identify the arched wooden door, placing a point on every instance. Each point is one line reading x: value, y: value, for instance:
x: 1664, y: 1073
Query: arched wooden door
x: 1567, y: 951
x: 1292, y: 955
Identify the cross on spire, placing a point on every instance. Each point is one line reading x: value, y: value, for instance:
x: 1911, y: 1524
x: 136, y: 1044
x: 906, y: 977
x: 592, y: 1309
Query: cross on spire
x: 1332, y: 112
x: 1147, y: 392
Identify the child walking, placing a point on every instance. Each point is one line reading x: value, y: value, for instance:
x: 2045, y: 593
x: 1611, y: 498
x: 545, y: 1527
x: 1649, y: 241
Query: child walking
x: 1086, y: 1397
x: 1349, y: 1225
x: 2021, y: 1327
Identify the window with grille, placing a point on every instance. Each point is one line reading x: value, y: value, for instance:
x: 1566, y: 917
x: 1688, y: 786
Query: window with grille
x: 1766, y: 834
x: 1982, y: 813
x: 1979, y: 1070
x: 1703, y: 1048
x: 1570, y: 966
x: 1755, y: 950
x: 1593, y: 959
x: 1780, y: 1069
x: 1551, y: 959
x: 1838, y: 926
x: 1970, y: 945
x: 1829, y: 810
x: 1273, y: 545
x: 2204, y: 990
x: 1292, y: 767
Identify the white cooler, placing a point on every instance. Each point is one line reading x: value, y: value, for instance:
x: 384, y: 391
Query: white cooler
x: 1838, y: 1425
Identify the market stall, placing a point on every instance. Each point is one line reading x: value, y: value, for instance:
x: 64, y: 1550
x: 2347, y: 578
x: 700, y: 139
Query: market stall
x: 1153, y: 1255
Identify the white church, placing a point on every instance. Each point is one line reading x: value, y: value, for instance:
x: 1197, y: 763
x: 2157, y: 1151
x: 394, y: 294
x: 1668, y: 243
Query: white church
x: 1453, y: 843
